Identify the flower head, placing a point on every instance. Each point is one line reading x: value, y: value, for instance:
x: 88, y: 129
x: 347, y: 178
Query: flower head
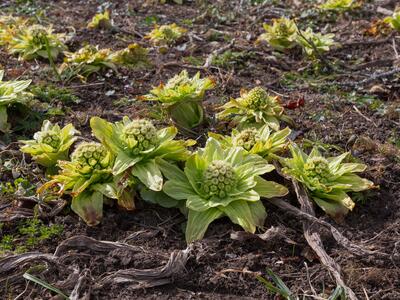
x: 50, y: 138
x: 219, y: 179
x: 91, y: 156
x: 140, y: 135
x: 247, y: 138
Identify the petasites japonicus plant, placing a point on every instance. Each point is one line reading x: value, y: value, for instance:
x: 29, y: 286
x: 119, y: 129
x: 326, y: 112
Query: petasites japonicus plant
x: 89, y: 180
x: 254, y: 108
x: 182, y: 98
x: 136, y: 145
x: 11, y: 92
x: 256, y: 140
x: 281, y: 35
x: 327, y: 179
x: 50, y: 144
x: 219, y: 182
x: 394, y: 20
x: 37, y: 41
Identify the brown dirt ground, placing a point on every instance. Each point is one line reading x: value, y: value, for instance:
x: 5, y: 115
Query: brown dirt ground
x: 215, y: 270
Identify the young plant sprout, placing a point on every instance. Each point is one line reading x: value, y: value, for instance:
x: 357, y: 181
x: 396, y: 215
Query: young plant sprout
x: 101, y: 21
x: 50, y: 144
x: 136, y: 145
x: 86, y: 61
x: 394, y: 20
x: 37, y: 41
x: 88, y: 178
x: 166, y: 35
x: 11, y: 92
x: 90, y: 59
x: 327, y: 179
x: 182, y: 98
x: 9, y: 27
x: 312, y: 42
x: 256, y: 140
x: 281, y: 35
x: 219, y: 182
x: 338, y: 5
x: 133, y: 56
x: 254, y: 108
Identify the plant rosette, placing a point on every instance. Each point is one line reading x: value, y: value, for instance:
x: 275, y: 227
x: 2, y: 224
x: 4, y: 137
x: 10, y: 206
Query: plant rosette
x: 219, y: 182
x: 327, y: 179
x: 11, y: 92
x: 50, y: 144
x: 281, y: 35
x: 137, y: 144
x: 255, y: 108
x: 88, y: 178
x: 259, y: 141
x: 182, y: 98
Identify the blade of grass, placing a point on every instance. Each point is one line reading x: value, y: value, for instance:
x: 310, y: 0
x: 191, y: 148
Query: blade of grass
x: 45, y: 285
x: 338, y: 294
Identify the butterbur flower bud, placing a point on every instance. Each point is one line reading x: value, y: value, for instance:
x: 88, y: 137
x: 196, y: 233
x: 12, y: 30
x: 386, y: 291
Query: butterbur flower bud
x: 50, y: 138
x: 92, y: 155
x: 246, y: 138
x: 219, y: 179
x: 317, y: 169
x: 140, y: 135
x: 255, y: 98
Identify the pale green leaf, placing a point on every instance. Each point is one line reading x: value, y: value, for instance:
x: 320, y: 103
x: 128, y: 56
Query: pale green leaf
x: 198, y: 223
x: 180, y: 190
x: 240, y: 213
x: 149, y: 174
x: 89, y: 206
x: 269, y: 189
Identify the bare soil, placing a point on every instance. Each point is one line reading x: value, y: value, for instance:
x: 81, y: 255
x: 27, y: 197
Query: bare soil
x: 220, y: 267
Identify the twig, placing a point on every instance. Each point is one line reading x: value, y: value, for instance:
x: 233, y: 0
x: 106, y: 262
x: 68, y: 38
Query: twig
x: 395, y: 49
x: 365, y: 117
x: 85, y: 85
x: 369, y: 42
x: 314, y: 240
x: 372, y: 78
x: 340, y: 239
x: 216, y: 52
x: 317, y: 52
x: 309, y: 280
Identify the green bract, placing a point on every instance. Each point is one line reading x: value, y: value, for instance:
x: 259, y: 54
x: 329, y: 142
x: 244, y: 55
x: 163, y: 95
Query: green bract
x: 281, y: 35
x: 338, y: 5
x: 11, y: 92
x: 182, y: 97
x: 137, y: 144
x: 320, y: 42
x: 220, y: 182
x: 51, y: 144
x: 327, y: 179
x: 166, y: 34
x: 254, y: 107
x: 37, y: 41
x: 394, y: 20
x: 88, y: 178
x: 256, y: 141
x: 100, y: 20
